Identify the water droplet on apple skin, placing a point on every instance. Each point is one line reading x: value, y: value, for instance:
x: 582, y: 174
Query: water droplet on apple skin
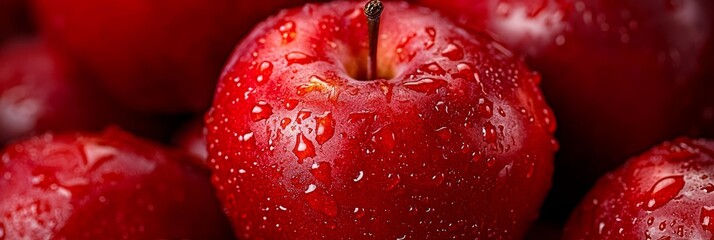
x: 323, y: 203
x: 325, y: 128
x: 384, y: 139
x: 444, y: 133
x: 290, y: 104
x: 663, y: 191
x: 265, y: 70
x: 287, y: 30
x: 489, y: 133
x: 322, y: 172
x: 453, y: 52
x: 299, y: 58
x: 302, y: 115
x: 431, y: 34
x: 426, y: 85
x: 304, y: 148
x: 432, y: 68
x: 261, y: 111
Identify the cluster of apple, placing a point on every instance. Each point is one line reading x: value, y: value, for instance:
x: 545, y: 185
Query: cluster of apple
x: 424, y: 119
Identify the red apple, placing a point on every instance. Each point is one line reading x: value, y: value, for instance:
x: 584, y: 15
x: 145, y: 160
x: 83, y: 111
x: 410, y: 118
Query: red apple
x: 104, y: 186
x: 39, y: 92
x: 621, y: 75
x: 664, y: 193
x: 453, y: 140
x: 159, y: 56
x: 192, y: 138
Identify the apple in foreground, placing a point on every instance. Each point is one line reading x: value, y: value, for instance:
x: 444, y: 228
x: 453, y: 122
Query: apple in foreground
x: 157, y: 56
x: 664, y: 193
x: 452, y: 139
x: 109, y: 185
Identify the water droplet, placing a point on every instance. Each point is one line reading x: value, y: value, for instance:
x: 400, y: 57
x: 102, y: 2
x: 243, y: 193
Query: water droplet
x: 322, y: 172
x: 426, y: 85
x: 311, y: 188
x: 490, y: 162
x: 2, y: 231
x: 444, y: 133
x: 359, y: 213
x: 663, y: 191
x: 386, y: 89
x: 285, y: 122
x: 290, y: 104
x: 287, y: 31
x: 403, y: 55
x: 465, y: 71
x: 95, y: 155
x: 321, y: 202
x: 560, y: 40
x: 299, y: 58
x: 359, y: 177
x: 485, y: 107
x: 431, y: 68
x: 453, y: 52
x: 431, y: 32
x: 549, y: 120
x: 384, y: 139
x: 304, y: 148
x: 650, y: 221
x: 531, y: 170
x: 708, y: 188
x: 392, y: 181
x: 706, y: 218
x: 325, y: 128
x: 247, y: 140
x: 261, y: 111
x: 477, y: 156
x: 662, y: 225
x: 438, y: 179
x: 264, y: 71
x: 489, y: 133
x: 302, y: 115
x: 361, y: 116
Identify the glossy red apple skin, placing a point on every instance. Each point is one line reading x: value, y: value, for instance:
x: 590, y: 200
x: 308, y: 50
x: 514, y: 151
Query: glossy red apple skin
x: 153, y: 55
x: 40, y: 92
x: 664, y: 193
x: 453, y: 141
x: 620, y: 75
x: 105, y: 185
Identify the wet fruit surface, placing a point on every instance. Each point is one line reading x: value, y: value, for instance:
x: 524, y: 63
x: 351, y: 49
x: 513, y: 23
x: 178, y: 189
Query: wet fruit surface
x: 620, y: 75
x: 453, y: 140
x: 99, y: 186
x: 153, y: 55
x: 665, y: 193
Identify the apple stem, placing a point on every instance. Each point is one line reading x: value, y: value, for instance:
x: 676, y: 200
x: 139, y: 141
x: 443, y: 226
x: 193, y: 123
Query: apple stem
x: 373, y: 11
